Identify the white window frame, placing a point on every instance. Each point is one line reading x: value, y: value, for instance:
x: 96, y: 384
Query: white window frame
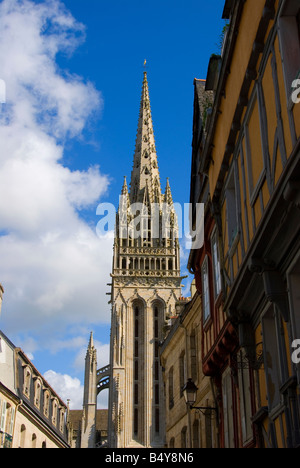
x: 12, y: 420
x: 3, y: 415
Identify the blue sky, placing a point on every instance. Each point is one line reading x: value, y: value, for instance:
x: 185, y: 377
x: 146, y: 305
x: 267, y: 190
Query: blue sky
x: 73, y: 72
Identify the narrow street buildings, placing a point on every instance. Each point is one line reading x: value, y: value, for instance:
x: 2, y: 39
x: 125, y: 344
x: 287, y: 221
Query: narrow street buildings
x: 186, y: 427
x: 32, y: 415
x: 246, y: 170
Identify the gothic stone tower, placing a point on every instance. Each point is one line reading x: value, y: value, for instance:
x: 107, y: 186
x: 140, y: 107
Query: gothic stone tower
x: 88, y: 424
x: 145, y: 287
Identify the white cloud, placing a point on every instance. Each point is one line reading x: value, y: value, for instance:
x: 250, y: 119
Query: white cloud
x: 67, y: 388
x: 102, y: 355
x: 70, y: 388
x: 53, y: 267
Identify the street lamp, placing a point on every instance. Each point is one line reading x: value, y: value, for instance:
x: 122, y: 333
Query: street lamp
x: 190, y: 396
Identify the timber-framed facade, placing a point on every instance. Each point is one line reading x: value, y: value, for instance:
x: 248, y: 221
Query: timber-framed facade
x: 247, y: 162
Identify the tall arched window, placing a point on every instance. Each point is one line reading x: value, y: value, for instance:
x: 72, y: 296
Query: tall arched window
x: 22, y: 436
x: 184, y: 443
x: 61, y: 420
x: 138, y: 369
x: 157, y: 378
x: 136, y: 366
x: 27, y: 381
x: 182, y: 372
x: 193, y: 356
x: 172, y: 443
x: 54, y: 411
x: 46, y: 403
x: 196, y: 442
x: 171, y: 388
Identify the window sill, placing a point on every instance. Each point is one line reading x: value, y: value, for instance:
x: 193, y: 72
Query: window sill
x: 291, y: 383
x: 275, y: 412
x: 260, y: 415
x: 207, y: 323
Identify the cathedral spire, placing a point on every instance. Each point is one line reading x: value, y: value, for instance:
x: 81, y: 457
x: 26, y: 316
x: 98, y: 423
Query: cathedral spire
x: 145, y: 278
x: 145, y: 168
x: 125, y: 187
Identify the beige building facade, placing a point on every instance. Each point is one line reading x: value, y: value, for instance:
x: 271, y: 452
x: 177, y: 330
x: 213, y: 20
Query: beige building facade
x: 32, y: 415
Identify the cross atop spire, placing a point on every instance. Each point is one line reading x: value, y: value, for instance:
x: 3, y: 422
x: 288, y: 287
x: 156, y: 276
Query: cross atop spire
x: 145, y: 168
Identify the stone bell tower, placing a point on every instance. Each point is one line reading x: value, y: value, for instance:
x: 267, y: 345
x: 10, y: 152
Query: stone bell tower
x: 145, y: 287
x: 88, y: 424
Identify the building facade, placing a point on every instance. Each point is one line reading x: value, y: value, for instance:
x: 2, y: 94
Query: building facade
x: 180, y: 358
x: 75, y: 427
x: 246, y: 169
x: 32, y: 415
x: 145, y: 287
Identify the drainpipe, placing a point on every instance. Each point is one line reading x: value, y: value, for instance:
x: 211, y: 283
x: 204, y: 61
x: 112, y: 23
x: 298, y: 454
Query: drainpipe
x: 17, y: 408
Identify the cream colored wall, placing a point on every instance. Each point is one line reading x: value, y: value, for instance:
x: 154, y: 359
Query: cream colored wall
x: 180, y: 415
x: 31, y: 429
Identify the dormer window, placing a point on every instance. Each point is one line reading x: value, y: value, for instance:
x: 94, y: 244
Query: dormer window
x: 54, y: 411
x: 27, y: 381
x: 46, y: 403
x: 61, y: 419
x: 37, y: 392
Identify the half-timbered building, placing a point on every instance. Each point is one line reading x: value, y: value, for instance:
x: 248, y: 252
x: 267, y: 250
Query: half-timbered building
x: 246, y: 169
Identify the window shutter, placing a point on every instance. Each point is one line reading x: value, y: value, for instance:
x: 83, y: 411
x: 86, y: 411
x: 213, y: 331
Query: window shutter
x: 3, y: 416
